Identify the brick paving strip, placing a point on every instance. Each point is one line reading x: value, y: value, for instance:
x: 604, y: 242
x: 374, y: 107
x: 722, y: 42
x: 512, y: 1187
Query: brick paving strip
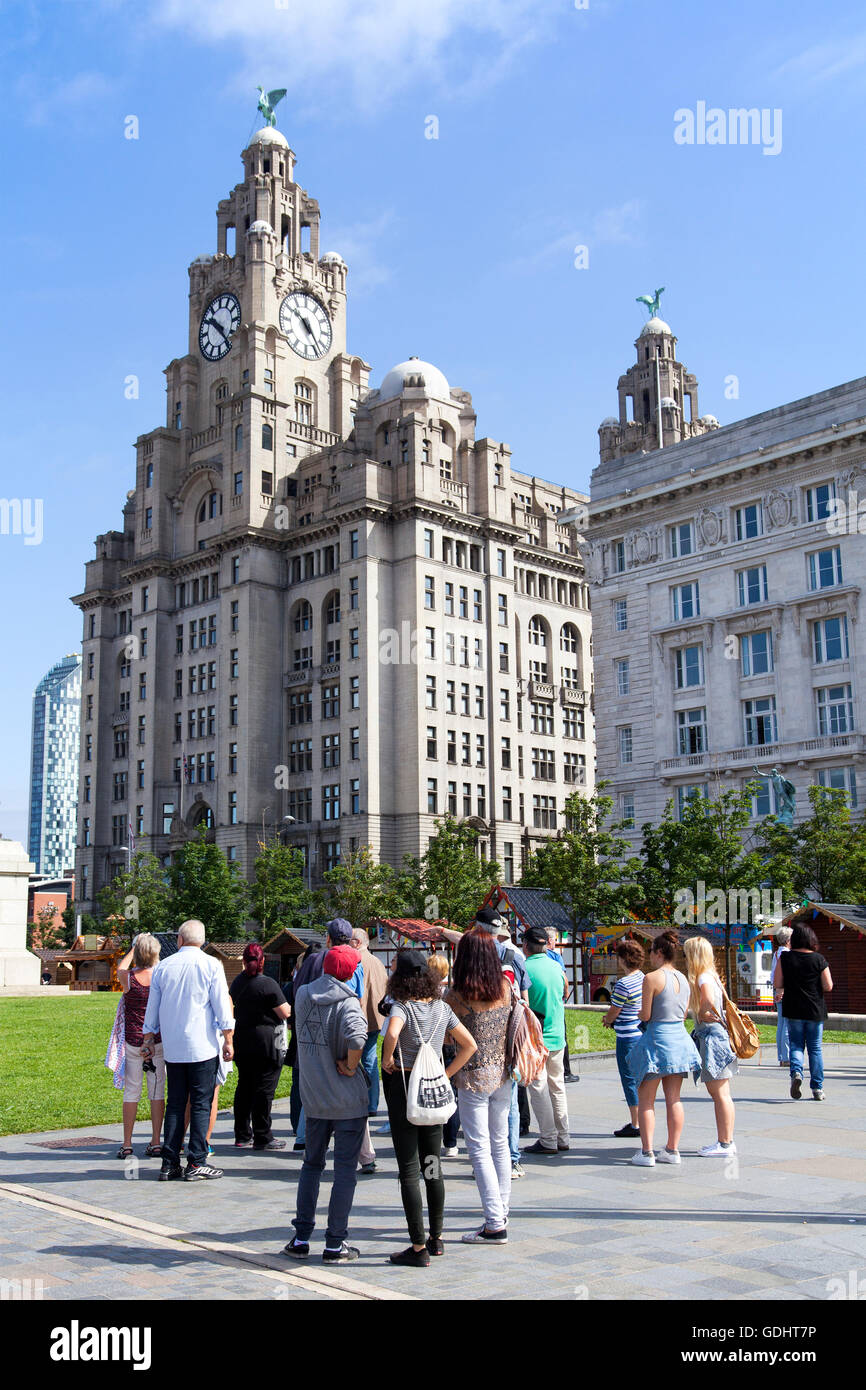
x: 323, y: 1282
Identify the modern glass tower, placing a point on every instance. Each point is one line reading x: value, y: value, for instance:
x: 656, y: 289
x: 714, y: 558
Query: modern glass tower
x: 54, y: 767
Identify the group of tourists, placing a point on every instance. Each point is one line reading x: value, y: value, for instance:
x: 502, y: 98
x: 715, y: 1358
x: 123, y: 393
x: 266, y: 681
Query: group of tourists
x: 448, y: 1046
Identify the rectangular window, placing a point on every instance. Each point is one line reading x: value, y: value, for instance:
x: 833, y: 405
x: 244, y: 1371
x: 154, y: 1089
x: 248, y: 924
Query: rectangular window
x: 749, y: 522
x: 574, y: 768
x: 626, y: 809
x: 428, y: 544
x: 830, y: 638
x: 233, y: 759
x: 354, y: 692
x: 689, y: 666
x: 430, y: 692
x: 353, y: 545
x: 500, y: 564
x: 431, y: 741
x: 330, y: 702
x: 818, y: 501
x: 623, y: 679
x: 752, y: 585
x: 432, y: 796
x: 502, y: 610
x: 618, y: 556
x: 843, y: 779
x: 233, y: 808
x: 543, y: 765
x: 178, y: 638
x: 756, y: 650
x: 142, y: 728
x: 330, y: 750
x: 544, y: 812
x: 429, y: 591
x: 759, y: 718
x: 625, y: 745
x: 479, y: 750
x: 691, y: 731
x: 331, y: 802
x: 835, y: 710
x: 353, y: 592
x: 764, y: 801
x: 504, y: 705
x: 233, y: 710
x: 620, y: 615
x: 505, y: 756
x: 686, y: 794
x: 825, y: 568
x: 685, y: 601
x: 681, y: 539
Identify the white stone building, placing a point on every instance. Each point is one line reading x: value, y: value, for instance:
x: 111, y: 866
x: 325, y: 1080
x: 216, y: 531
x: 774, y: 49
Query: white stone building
x: 331, y: 612
x: 725, y: 594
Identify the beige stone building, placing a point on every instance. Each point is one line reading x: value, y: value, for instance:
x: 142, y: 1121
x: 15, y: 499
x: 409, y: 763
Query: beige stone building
x: 331, y: 612
x: 726, y: 571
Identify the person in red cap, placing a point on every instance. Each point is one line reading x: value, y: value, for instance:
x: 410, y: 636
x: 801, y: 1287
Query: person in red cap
x: 331, y: 1030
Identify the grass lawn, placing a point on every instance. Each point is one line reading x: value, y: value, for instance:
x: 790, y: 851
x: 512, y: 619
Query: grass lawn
x: 52, y: 1054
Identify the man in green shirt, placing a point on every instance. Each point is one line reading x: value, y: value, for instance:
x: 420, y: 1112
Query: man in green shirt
x: 547, y: 990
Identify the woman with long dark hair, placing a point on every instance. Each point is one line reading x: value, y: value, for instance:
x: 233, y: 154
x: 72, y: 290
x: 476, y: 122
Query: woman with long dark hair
x: 260, y: 1008
x: 418, y: 1012
x: 481, y: 997
x: 803, y: 976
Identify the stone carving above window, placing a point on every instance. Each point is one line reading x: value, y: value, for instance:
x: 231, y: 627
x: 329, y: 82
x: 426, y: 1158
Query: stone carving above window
x: 711, y: 527
x: 779, y: 508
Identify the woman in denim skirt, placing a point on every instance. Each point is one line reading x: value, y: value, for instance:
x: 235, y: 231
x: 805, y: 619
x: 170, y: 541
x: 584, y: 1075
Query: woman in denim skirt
x: 663, y: 1053
x: 718, y: 1059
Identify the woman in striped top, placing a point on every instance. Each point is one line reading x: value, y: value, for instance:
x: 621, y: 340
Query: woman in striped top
x: 622, y: 1016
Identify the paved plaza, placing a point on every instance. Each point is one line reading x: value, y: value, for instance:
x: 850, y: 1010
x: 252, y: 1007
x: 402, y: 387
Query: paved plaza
x: 785, y: 1221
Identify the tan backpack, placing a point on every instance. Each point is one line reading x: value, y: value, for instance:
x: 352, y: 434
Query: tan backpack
x: 741, y: 1030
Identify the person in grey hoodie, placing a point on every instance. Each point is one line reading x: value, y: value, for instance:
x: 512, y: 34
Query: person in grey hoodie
x: 331, y: 1030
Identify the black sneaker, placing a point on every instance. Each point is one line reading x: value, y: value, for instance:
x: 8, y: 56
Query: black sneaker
x: 297, y: 1147
x: 796, y: 1083
x: 297, y: 1249
x: 271, y: 1145
x: 200, y: 1172
x: 628, y: 1131
x: 341, y: 1256
x: 539, y: 1148
x: 169, y: 1173
x: 416, y: 1259
x: 485, y: 1237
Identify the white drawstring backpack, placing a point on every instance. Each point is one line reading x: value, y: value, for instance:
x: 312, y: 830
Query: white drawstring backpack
x: 429, y: 1096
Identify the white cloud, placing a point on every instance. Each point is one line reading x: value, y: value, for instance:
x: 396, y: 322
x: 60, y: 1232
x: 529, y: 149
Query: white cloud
x: 367, y: 51
x: 610, y: 226
x: 358, y: 244
x: 824, y: 62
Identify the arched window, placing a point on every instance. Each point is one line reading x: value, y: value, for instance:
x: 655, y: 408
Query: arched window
x: 537, y: 632
x: 303, y: 617
x: 305, y: 403
x: 332, y: 608
x: 211, y: 506
x: 267, y: 437
x: 569, y: 639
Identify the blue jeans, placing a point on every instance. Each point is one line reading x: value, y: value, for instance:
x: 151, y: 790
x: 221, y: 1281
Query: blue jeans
x: 629, y: 1089
x: 370, y: 1068
x: 348, y: 1137
x: 782, y: 1049
x: 807, y: 1033
x: 514, y: 1126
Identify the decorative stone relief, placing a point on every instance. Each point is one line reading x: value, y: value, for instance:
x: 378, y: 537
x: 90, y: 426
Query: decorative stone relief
x: 711, y: 527
x: 779, y: 507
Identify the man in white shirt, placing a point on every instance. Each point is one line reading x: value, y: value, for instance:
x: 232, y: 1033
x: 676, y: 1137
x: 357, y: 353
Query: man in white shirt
x: 189, y: 1005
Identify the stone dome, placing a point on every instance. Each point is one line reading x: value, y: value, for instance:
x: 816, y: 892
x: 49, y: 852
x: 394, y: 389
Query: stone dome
x: 269, y: 135
x: 259, y: 226
x: 414, y: 374
x: 608, y: 420
x: 331, y: 258
x: 710, y: 421
x: 669, y: 402
x: 655, y: 325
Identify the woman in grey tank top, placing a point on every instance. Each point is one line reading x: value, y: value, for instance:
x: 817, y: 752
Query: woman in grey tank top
x: 664, y: 1052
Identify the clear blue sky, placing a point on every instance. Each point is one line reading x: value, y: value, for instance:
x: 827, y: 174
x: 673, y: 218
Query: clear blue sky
x: 556, y: 129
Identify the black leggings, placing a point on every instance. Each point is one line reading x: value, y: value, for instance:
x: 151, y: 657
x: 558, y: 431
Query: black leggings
x: 418, y: 1149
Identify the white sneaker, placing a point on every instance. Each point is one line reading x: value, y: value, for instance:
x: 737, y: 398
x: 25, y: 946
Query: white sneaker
x: 450, y: 1153
x: 717, y: 1150
x: 665, y: 1156
x: 642, y: 1160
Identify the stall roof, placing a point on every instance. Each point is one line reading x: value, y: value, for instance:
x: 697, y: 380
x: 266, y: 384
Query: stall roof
x: 301, y: 937
x: 536, y: 908
x: 851, y: 914
x: 416, y: 928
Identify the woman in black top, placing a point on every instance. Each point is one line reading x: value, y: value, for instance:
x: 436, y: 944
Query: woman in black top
x: 803, y: 977
x: 260, y: 1008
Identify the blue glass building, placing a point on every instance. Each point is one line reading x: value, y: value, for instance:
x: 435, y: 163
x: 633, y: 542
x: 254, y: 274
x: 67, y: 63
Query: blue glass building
x: 54, y: 768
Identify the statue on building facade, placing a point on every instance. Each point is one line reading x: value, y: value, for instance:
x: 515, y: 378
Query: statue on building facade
x: 786, y: 795
x: 651, y: 301
x: 267, y: 102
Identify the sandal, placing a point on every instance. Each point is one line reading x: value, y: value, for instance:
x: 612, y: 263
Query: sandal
x: 153, y: 1151
x: 124, y: 1153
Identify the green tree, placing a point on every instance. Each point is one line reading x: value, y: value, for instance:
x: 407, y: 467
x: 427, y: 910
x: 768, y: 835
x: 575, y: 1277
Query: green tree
x: 662, y: 869
x: 202, y: 884
x: 44, y: 933
x: 583, y: 868
x: 279, y: 898
x: 452, y: 879
x: 823, y: 857
x: 358, y: 888
x: 138, y: 895
x: 89, y: 923
x: 716, y: 830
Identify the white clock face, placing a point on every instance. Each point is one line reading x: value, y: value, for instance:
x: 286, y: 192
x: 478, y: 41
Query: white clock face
x: 220, y: 320
x: 306, y: 324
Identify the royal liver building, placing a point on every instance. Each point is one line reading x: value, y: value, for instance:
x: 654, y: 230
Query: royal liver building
x: 331, y: 611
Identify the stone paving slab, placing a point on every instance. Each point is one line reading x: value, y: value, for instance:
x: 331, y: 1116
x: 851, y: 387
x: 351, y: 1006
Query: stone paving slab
x: 780, y: 1222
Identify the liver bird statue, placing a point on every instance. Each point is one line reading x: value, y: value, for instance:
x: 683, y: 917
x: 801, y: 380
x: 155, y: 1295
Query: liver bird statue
x: 267, y: 102
x: 651, y: 301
